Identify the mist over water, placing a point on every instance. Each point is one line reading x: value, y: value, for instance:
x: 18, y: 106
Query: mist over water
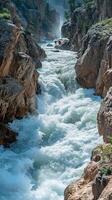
x: 53, y: 147
x: 60, y: 7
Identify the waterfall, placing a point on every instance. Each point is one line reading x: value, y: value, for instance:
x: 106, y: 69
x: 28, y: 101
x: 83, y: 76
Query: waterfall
x: 60, y: 7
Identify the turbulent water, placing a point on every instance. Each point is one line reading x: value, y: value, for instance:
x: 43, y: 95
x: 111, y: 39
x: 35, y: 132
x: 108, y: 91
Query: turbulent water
x: 54, y: 146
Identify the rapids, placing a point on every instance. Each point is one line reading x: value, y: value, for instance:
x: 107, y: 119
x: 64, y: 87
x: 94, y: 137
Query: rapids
x: 54, y: 146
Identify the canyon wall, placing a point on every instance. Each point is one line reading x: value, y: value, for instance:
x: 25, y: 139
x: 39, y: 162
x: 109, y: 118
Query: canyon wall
x: 38, y: 17
x: 22, y: 24
x: 83, y: 17
x: 90, y: 32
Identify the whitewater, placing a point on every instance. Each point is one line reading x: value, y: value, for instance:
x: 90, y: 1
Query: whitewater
x: 55, y: 145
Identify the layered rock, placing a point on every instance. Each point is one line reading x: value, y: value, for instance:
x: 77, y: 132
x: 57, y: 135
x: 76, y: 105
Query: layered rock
x: 77, y: 26
x: 20, y: 56
x: 95, y: 58
x: 95, y: 184
x: 7, y: 136
x: 38, y: 18
x: 104, y: 8
x: 17, y: 68
x: 105, y: 117
x: 83, y: 17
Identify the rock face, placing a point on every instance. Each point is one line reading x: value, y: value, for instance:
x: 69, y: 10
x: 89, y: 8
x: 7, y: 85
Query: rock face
x: 82, y: 190
x: 38, y: 18
x: 96, y: 182
x: 7, y: 136
x: 95, y: 58
x: 94, y: 70
x: 17, y: 71
x: 83, y: 18
x: 105, y: 117
x: 104, y: 8
x: 105, y: 112
x: 20, y: 56
x: 63, y: 44
x: 77, y: 26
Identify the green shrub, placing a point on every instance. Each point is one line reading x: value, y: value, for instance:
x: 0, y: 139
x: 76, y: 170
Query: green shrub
x: 105, y: 151
x: 105, y: 171
x: 5, y: 14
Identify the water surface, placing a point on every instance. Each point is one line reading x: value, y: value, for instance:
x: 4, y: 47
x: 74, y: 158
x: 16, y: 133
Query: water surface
x: 53, y: 147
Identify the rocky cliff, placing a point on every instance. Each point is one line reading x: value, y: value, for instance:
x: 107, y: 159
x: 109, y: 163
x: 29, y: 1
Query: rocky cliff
x: 38, y: 18
x: 20, y: 56
x: 95, y: 184
x: 83, y: 17
x: 95, y: 57
x: 94, y: 70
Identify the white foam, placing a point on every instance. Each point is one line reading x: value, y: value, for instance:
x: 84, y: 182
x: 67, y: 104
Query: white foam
x: 54, y: 147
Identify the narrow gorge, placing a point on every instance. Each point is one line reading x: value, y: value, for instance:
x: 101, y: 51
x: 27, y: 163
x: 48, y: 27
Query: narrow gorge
x: 56, y: 97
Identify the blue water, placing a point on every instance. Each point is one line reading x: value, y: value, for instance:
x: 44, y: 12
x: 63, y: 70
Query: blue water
x: 53, y: 147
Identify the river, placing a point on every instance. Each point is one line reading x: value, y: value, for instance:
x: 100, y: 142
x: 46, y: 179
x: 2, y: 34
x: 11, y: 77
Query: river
x: 54, y: 146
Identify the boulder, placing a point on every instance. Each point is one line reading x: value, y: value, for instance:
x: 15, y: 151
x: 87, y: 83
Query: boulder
x: 63, y: 44
x: 96, y: 178
x: 7, y: 136
x: 82, y: 189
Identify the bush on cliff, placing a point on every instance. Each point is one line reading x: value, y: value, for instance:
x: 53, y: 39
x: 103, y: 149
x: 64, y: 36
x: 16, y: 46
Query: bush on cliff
x: 105, y: 171
x: 105, y: 152
x: 5, y: 13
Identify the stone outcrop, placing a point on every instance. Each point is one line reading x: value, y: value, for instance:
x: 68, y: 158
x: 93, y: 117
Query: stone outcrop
x: 7, y: 136
x: 83, y: 17
x: 19, y: 78
x: 37, y: 17
x: 104, y: 8
x: 20, y: 57
x: 105, y: 117
x: 77, y: 26
x: 81, y: 189
x: 105, y: 112
x: 95, y: 58
x: 95, y: 184
x: 63, y: 44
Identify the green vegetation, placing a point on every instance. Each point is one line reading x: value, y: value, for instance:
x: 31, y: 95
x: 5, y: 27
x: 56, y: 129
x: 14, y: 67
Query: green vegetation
x: 107, y: 23
x: 107, y: 171
x: 105, y: 151
x: 103, y: 29
x: 5, y: 13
